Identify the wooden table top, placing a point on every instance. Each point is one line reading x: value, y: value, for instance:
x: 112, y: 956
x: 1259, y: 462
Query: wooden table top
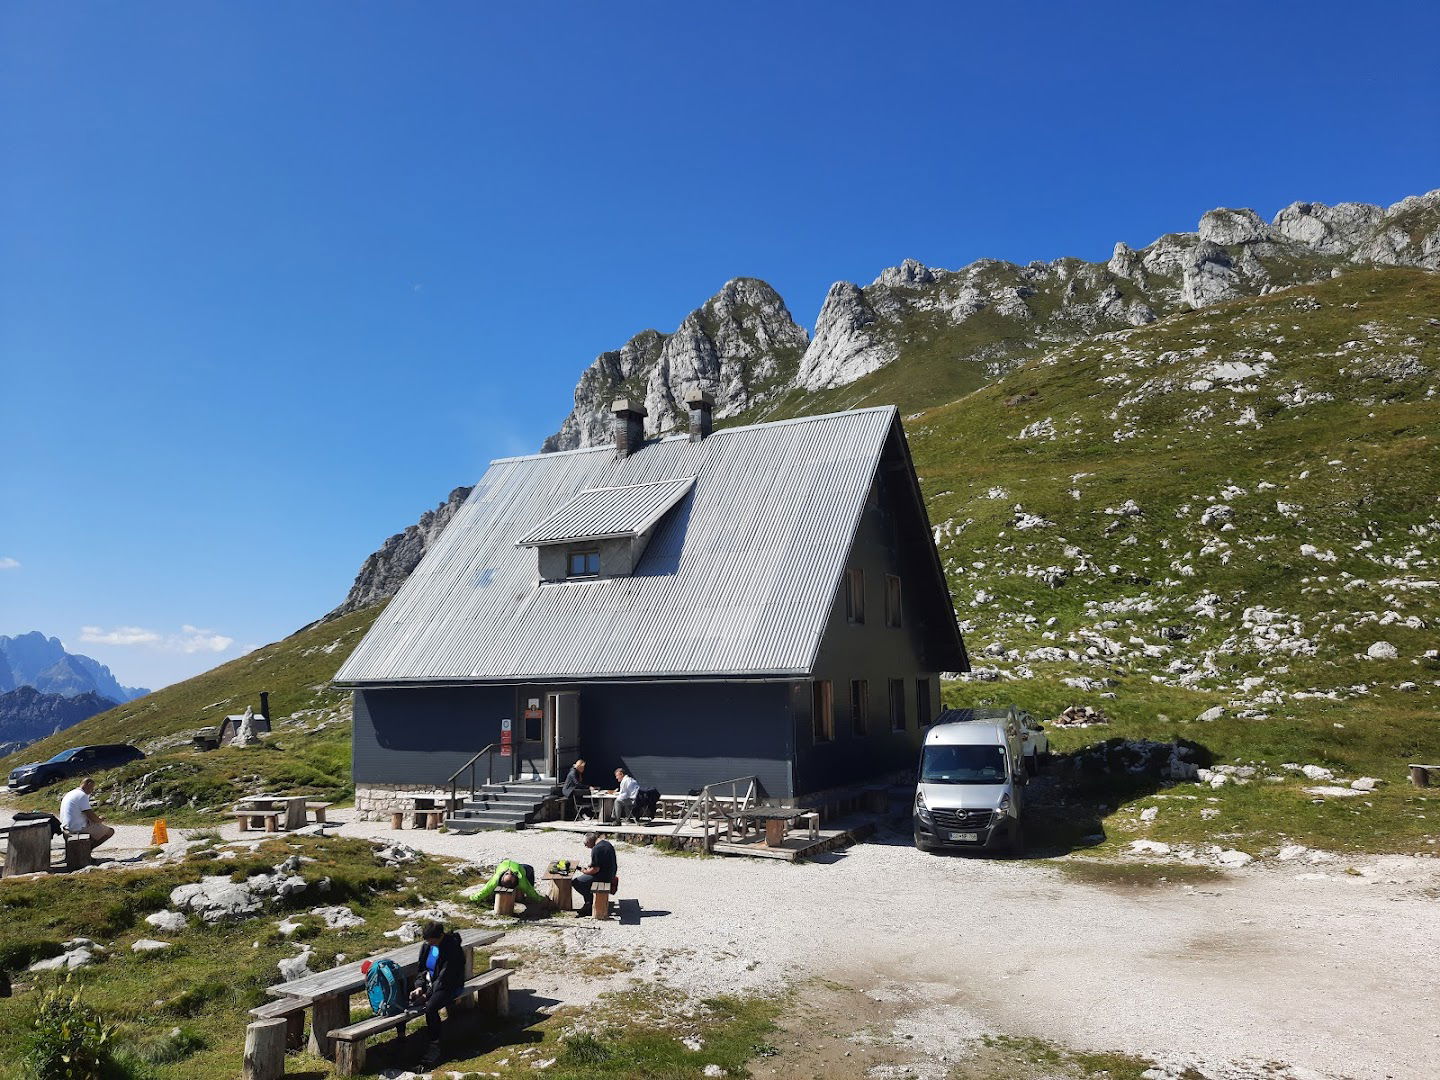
x: 347, y: 978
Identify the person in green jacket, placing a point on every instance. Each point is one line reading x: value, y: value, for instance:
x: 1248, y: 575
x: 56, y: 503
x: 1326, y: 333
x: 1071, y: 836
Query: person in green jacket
x: 510, y: 875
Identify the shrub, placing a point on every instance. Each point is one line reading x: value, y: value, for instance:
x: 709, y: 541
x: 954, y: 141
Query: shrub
x: 70, y: 1041
x: 585, y: 1049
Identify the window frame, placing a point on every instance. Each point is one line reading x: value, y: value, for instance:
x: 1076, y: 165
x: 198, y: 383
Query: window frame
x: 860, y: 707
x: 582, y: 553
x: 855, y: 596
x: 894, y: 602
x: 822, y: 711
x: 898, y: 720
x: 924, y: 714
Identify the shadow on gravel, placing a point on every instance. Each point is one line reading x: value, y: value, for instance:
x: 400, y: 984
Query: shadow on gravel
x: 630, y: 912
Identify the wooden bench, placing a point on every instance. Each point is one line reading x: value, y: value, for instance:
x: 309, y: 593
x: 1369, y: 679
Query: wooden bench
x: 292, y: 1011
x: 421, y: 819
x: 350, y: 1041
x: 247, y: 818
x: 318, y: 809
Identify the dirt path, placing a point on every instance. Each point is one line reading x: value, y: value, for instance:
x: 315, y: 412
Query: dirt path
x: 1307, y: 967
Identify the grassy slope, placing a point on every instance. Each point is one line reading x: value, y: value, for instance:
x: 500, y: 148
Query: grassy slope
x: 308, y: 753
x: 1356, y: 469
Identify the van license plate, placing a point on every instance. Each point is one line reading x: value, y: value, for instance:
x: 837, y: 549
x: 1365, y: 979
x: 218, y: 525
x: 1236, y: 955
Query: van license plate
x: 965, y: 836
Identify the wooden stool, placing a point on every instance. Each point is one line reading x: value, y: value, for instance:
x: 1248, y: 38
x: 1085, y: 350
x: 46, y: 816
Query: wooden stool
x: 600, y: 892
x: 397, y: 819
x: 77, y: 852
x: 505, y: 902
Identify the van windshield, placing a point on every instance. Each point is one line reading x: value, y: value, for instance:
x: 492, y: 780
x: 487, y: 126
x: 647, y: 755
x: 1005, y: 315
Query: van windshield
x: 962, y: 765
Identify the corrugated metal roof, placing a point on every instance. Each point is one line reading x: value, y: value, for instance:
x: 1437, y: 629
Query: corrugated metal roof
x: 605, y: 513
x: 739, y: 580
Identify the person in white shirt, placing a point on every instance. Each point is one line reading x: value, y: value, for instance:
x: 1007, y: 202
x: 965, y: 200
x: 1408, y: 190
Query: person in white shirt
x: 627, y: 790
x: 77, y: 816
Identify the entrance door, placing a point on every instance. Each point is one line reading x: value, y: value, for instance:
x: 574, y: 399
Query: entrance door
x: 533, y: 739
x: 563, y: 730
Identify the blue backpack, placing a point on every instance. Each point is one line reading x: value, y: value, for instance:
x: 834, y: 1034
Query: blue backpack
x: 385, y: 987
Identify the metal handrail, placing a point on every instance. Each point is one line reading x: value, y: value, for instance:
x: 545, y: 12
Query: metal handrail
x: 489, y: 772
x: 705, y: 803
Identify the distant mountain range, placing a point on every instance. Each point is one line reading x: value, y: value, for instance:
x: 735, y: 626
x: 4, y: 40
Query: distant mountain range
x: 34, y: 660
x: 27, y: 715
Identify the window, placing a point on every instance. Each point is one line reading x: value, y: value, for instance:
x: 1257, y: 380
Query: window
x: 859, y: 707
x: 897, y: 704
x: 584, y: 564
x: 922, y: 702
x: 892, y: 600
x: 855, y: 595
x: 823, y: 711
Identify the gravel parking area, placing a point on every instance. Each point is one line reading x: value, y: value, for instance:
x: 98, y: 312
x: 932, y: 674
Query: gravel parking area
x: 1309, y: 968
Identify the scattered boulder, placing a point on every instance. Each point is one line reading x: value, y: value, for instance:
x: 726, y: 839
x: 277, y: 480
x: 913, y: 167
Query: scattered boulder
x: 1210, y: 715
x: 338, y: 917
x: 169, y: 921
x: 1234, y: 859
x: 1148, y: 847
x: 1080, y: 716
x: 149, y: 945
x: 216, y: 898
x: 1382, y: 650
x: 67, y: 961
x: 296, y: 967
x: 1317, y: 772
x: 1366, y: 783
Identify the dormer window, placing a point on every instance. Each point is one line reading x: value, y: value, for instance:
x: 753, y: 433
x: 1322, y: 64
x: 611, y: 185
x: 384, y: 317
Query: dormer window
x: 603, y: 532
x: 584, y: 564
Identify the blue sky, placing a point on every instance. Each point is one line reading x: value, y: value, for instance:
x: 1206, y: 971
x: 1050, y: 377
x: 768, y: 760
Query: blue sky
x: 275, y: 277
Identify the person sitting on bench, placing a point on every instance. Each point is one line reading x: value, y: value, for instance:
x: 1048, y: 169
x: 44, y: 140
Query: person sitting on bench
x: 602, y: 868
x: 511, y: 875
x: 77, y: 817
x: 627, y: 791
x: 575, y: 788
x: 437, y: 982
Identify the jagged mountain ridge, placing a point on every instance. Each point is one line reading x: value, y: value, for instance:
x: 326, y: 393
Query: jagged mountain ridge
x: 975, y: 323
x: 27, y: 714
x: 42, y: 662
x: 919, y: 336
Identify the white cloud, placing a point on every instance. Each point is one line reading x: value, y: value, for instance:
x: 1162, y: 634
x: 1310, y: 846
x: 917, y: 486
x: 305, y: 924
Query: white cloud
x: 121, y: 635
x: 191, y: 639
x: 7, y: 563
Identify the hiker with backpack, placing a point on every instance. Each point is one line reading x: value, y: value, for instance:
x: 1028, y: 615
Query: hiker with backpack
x: 438, y: 980
x: 511, y: 875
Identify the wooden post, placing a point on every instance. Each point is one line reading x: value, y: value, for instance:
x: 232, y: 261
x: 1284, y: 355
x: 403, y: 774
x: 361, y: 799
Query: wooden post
x: 265, y: 1050
x: 294, y: 814
x: 774, y: 832
x: 28, y: 849
x: 502, y: 988
x: 327, y: 1014
x: 397, y: 819
x: 563, y: 899
x: 320, y: 815
x: 1420, y: 775
x: 350, y: 1056
x: 505, y: 902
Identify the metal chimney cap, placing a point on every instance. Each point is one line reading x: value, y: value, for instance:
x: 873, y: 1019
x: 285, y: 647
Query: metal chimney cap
x: 627, y: 405
x: 699, y: 397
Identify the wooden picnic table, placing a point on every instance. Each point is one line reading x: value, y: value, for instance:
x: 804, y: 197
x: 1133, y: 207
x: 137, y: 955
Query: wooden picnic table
x: 427, y: 810
x: 292, y: 806
x: 776, y: 818
x: 328, y: 992
x: 27, y: 846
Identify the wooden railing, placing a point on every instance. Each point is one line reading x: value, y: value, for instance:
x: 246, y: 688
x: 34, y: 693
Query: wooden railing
x: 708, y: 804
x: 454, y: 782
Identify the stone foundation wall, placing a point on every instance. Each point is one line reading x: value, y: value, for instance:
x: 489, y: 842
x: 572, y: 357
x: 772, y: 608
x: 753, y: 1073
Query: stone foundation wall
x: 376, y: 802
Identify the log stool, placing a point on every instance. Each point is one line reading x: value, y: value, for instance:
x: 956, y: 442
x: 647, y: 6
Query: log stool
x: 505, y: 902
x: 77, y: 852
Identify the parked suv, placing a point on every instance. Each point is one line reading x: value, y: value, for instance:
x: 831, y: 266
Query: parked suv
x: 77, y: 761
x: 970, y: 787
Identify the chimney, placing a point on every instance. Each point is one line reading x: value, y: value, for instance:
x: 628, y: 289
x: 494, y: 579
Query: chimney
x: 265, y: 704
x: 702, y: 409
x: 629, y: 426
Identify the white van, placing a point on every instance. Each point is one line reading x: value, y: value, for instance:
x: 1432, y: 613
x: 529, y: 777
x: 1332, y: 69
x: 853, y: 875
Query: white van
x: 968, y: 793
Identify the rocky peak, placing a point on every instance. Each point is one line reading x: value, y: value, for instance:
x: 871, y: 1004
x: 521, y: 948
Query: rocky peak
x: 742, y: 345
x: 386, y: 570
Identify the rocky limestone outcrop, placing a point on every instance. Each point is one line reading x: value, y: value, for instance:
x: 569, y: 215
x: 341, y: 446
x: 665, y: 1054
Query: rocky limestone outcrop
x: 740, y: 345
x: 386, y: 570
